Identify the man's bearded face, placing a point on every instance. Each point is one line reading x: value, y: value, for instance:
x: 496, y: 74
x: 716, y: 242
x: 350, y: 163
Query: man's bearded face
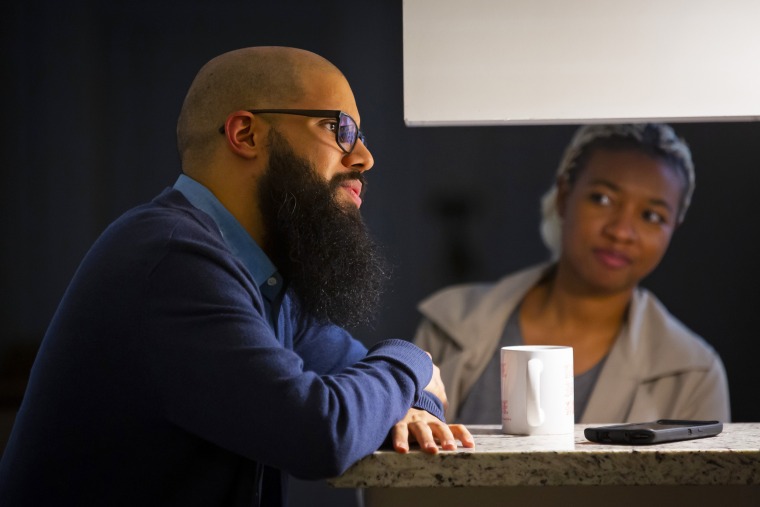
x: 321, y: 247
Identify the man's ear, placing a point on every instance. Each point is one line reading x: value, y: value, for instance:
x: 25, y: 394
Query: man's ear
x: 244, y: 134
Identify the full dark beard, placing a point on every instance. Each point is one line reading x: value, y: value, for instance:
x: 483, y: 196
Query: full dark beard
x: 322, y: 248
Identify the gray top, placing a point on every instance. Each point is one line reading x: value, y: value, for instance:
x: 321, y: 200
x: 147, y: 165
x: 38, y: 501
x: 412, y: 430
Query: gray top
x: 483, y: 405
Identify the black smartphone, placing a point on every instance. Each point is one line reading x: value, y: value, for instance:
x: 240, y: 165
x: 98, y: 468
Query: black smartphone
x: 655, y: 432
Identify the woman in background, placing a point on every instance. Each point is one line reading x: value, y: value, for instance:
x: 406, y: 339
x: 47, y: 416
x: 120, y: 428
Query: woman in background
x: 620, y: 193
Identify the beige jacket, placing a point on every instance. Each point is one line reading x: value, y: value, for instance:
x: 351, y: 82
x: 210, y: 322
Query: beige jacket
x: 656, y: 369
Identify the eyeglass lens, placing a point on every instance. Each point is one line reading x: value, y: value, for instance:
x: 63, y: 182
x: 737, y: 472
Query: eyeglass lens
x: 348, y: 133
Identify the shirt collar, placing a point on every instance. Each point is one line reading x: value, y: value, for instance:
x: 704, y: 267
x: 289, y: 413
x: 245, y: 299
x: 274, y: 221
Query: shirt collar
x: 235, y: 236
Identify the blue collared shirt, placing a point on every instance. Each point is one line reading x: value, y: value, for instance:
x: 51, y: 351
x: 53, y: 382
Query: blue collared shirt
x: 242, y: 245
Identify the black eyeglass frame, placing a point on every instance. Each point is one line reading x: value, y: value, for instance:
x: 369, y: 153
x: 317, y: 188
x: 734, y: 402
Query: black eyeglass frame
x: 318, y: 113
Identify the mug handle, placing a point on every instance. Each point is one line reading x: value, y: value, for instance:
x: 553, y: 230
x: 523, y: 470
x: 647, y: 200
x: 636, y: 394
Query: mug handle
x: 536, y: 415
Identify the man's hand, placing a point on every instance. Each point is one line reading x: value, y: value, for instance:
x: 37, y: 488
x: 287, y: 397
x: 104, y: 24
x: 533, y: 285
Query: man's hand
x: 427, y: 430
x: 436, y: 387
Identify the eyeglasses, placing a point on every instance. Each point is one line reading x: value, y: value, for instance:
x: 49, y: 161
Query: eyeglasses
x: 346, y: 133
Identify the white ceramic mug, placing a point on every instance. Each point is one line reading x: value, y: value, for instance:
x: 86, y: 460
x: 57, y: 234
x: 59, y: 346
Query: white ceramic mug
x: 537, y: 394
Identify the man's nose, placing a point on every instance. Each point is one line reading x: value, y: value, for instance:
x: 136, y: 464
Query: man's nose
x: 360, y: 159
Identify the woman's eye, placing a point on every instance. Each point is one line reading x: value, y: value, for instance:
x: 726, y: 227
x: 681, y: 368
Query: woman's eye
x: 332, y: 125
x: 654, y: 217
x: 600, y: 198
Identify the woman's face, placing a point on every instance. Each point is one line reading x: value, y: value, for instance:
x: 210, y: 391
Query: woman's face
x: 618, y: 218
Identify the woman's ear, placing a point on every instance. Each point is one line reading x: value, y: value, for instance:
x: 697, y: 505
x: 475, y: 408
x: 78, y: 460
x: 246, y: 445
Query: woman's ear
x: 563, y: 190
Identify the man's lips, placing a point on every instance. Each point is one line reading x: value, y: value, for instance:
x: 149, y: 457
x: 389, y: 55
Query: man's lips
x: 354, y: 189
x: 612, y: 258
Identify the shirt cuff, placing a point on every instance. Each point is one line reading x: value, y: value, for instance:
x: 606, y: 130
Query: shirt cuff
x: 431, y: 404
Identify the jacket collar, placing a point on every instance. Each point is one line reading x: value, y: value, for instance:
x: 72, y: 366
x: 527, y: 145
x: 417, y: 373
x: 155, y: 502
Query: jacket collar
x: 474, y: 317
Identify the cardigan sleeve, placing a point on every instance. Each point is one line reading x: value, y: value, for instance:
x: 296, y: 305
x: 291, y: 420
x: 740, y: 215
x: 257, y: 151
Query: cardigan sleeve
x: 221, y: 374
x: 328, y: 349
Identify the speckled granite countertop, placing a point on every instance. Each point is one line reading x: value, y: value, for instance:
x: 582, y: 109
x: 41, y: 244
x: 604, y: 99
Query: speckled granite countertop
x: 730, y: 458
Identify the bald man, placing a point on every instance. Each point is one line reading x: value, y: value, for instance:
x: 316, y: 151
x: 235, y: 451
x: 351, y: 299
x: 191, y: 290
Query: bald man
x: 199, y: 355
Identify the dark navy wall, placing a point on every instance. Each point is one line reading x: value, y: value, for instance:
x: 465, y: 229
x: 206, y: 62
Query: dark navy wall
x: 91, y: 92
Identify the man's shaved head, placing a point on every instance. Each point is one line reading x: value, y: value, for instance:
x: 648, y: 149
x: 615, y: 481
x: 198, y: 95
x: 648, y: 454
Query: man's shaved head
x: 292, y: 189
x: 249, y: 78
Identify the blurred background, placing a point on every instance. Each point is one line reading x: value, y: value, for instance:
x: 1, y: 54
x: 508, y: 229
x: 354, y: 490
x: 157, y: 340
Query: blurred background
x: 91, y: 95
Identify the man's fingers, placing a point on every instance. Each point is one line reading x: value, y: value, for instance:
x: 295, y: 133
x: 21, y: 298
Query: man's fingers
x: 444, y: 435
x: 448, y: 434
x: 400, y: 437
x: 428, y: 431
x: 462, y: 434
x: 424, y: 436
